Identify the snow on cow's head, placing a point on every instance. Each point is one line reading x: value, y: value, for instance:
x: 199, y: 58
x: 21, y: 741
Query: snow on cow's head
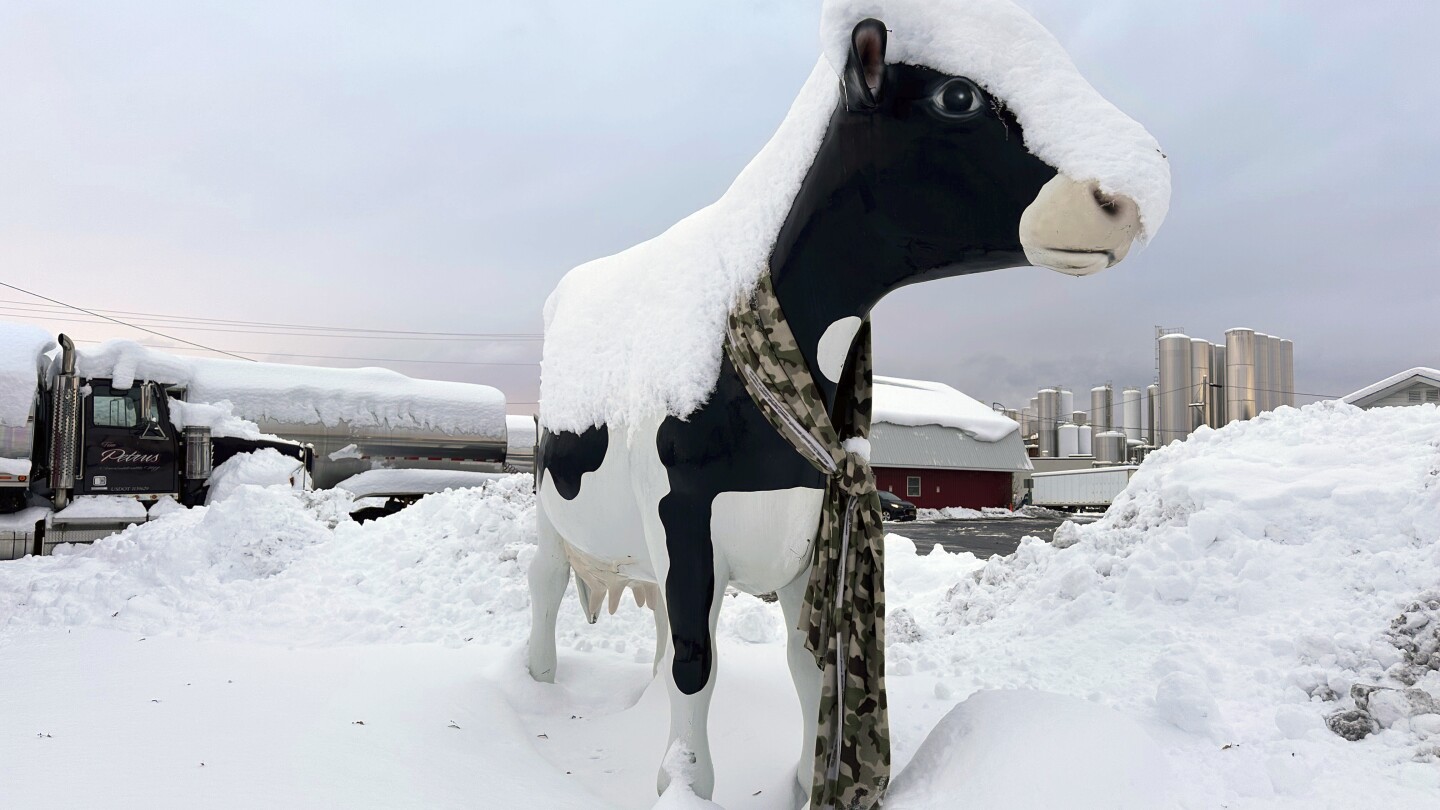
x: 989, y: 59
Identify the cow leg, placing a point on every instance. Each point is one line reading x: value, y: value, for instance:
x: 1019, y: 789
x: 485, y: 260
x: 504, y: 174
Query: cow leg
x: 549, y: 574
x: 694, y: 584
x: 805, y: 674
x: 662, y: 636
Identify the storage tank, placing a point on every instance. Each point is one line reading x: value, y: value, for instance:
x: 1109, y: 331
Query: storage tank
x: 1102, y: 400
x: 1130, y: 407
x: 1111, y: 447
x: 1199, y: 381
x: 1027, y: 422
x: 1087, y: 447
x: 1067, y: 403
x: 1079, y: 418
x: 1287, y: 371
x: 1068, y: 440
x: 1215, y: 416
x: 1240, y: 401
x: 1049, y: 413
x: 1263, y: 381
x: 1277, y: 375
x: 1176, y: 390
x: 1152, y: 413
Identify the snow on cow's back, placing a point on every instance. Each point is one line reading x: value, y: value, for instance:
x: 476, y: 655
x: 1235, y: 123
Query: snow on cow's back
x: 634, y: 337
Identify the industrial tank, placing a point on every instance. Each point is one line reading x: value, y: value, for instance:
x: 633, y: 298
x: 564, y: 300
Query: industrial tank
x: 1277, y: 374
x: 1240, y: 400
x: 1111, y: 447
x: 1102, y: 399
x: 1068, y: 440
x: 1200, y: 379
x: 1087, y: 446
x: 1067, y: 403
x: 1130, y: 407
x: 1175, y: 389
x: 1263, y: 380
x: 1049, y: 419
x: 1079, y: 418
x: 1287, y: 371
x: 1152, y: 413
x: 1215, y: 414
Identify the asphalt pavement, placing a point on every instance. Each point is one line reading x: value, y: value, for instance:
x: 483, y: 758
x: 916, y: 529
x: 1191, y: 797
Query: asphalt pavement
x: 984, y: 537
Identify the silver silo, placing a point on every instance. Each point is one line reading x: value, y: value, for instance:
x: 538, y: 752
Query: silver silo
x: 1102, y: 410
x: 1152, y: 414
x: 1287, y: 371
x: 1215, y: 417
x: 1263, y: 381
x: 1111, y: 447
x: 1176, y: 391
x: 1199, y: 382
x: 1277, y: 376
x: 1130, y: 407
x: 1027, y: 422
x: 1087, y: 447
x: 1079, y: 418
x: 1048, y: 421
x: 1240, y: 401
x: 1067, y: 403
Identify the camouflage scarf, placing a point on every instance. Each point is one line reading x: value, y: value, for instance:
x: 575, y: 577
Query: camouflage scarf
x: 844, y: 610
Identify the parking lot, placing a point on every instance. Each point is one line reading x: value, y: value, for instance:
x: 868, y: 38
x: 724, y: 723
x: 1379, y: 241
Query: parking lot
x: 983, y: 537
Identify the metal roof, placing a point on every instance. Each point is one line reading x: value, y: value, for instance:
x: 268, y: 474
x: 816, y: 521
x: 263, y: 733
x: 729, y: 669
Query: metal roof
x: 936, y: 447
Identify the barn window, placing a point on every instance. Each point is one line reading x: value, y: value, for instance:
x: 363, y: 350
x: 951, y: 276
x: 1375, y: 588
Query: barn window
x: 1432, y: 395
x: 912, y: 486
x: 1415, y: 395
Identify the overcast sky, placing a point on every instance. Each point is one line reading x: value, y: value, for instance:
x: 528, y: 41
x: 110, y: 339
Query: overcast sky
x: 439, y: 166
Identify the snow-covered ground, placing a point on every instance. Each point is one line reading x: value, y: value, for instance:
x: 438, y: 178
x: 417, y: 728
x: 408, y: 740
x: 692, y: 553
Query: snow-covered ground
x: 1184, y: 651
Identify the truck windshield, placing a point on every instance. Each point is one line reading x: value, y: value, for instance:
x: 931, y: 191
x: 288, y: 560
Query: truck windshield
x: 114, y: 412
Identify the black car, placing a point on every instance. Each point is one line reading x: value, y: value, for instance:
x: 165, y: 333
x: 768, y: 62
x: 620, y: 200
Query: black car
x: 894, y: 508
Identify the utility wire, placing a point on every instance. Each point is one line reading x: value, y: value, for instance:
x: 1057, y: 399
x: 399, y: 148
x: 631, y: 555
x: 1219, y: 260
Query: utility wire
x: 47, y: 316
x: 32, y: 307
x: 123, y: 323
x: 345, y: 357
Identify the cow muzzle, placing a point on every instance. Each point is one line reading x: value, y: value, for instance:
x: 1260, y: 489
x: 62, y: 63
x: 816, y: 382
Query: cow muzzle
x: 1077, y: 229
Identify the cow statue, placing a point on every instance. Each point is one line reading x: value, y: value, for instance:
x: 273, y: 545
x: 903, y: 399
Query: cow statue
x: 935, y: 138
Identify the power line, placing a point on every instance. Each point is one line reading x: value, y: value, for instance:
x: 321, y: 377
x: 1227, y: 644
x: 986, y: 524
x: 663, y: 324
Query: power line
x: 123, y: 323
x: 47, y: 316
x: 28, y: 306
x: 347, y: 357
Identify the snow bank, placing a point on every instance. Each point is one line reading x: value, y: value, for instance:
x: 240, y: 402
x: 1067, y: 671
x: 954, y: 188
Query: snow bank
x: 264, y: 467
x: 917, y: 402
x: 633, y: 337
x: 21, y: 351
x: 103, y: 507
x: 308, y: 395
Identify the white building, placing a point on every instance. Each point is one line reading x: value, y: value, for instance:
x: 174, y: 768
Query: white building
x: 1416, y: 386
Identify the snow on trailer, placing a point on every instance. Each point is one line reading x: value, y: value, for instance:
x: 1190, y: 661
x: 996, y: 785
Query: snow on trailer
x: 354, y: 418
x: 22, y: 366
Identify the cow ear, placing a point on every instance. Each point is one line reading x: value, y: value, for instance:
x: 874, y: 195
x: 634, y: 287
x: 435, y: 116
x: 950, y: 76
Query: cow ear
x: 865, y: 70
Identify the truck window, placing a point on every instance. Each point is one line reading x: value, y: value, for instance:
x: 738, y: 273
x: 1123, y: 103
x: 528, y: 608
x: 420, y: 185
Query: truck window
x: 114, y: 412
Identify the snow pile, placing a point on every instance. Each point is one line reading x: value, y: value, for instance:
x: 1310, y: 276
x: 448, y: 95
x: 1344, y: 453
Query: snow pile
x: 308, y: 395
x: 103, y: 508
x: 917, y: 402
x: 962, y: 513
x: 22, y: 350
x: 264, y: 467
x: 1249, y: 584
x: 633, y: 337
x: 519, y: 435
x: 373, y: 483
x: 220, y: 418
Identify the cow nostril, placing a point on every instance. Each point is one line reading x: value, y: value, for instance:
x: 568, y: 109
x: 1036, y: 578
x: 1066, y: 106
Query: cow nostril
x: 1105, y: 201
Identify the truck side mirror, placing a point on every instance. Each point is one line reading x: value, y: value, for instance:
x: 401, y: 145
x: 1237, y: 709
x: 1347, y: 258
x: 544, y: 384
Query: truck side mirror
x: 150, y: 427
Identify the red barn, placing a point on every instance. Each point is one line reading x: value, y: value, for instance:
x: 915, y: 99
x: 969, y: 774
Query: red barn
x: 936, y: 447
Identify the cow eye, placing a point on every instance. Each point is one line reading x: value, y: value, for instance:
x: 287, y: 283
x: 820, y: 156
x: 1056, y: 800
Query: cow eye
x: 959, y: 99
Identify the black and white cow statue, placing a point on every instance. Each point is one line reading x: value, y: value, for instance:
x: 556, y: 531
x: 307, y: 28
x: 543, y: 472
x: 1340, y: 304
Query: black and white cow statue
x: 936, y: 138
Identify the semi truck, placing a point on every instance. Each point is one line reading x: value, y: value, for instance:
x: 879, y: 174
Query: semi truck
x: 95, y: 440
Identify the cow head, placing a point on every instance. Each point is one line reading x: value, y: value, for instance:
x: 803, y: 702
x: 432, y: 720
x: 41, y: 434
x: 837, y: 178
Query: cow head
x: 946, y: 177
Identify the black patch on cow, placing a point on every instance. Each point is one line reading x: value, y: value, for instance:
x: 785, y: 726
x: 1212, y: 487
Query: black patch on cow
x: 568, y: 456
